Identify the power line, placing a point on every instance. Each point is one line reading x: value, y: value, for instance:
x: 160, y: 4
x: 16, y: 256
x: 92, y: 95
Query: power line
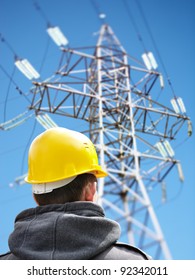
x: 12, y: 80
x: 3, y: 40
x: 41, y: 12
x: 130, y: 15
x: 7, y: 93
x: 11, y: 150
x: 7, y: 74
x: 45, y: 55
x: 28, y: 142
x: 154, y: 44
x: 10, y: 99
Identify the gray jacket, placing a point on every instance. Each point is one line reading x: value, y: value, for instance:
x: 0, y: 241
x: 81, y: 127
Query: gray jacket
x: 72, y: 231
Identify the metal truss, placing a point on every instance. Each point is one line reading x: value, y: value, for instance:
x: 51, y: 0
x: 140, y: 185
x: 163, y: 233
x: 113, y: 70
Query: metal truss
x: 115, y: 94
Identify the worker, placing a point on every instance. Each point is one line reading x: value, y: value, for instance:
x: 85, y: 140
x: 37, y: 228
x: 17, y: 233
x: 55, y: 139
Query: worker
x: 67, y: 223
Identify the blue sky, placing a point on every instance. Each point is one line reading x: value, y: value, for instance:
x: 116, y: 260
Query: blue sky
x: 24, y: 29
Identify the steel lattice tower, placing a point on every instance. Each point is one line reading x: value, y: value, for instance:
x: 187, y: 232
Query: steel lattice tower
x: 113, y: 93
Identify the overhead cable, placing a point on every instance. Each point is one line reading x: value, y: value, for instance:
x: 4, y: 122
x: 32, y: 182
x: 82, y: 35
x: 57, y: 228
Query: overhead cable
x: 42, y: 13
x: 22, y: 64
x: 154, y: 44
x: 13, y: 81
x: 134, y: 25
x: 27, y: 145
x: 7, y: 95
x: 3, y: 40
x: 53, y: 31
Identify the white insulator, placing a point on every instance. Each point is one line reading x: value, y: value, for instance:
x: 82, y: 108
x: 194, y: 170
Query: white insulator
x: 150, y: 102
x: 189, y: 128
x: 31, y: 69
x: 146, y: 61
x: 57, y: 36
x: 175, y: 106
x: 27, y: 69
x: 49, y: 120
x: 161, y: 149
x: 46, y: 121
x: 152, y: 60
x: 20, y: 180
x: 162, y: 85
x: 180, y: 172
x: 169, y: 148
x: 181, y: 105
x: 22, y: 69
x: 149, y: 61
x: 42, y: 122
x: 13, y: 120
x: 15, y: 125
x: 164, y: 192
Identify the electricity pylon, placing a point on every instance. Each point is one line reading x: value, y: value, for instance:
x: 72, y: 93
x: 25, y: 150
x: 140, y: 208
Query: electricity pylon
x: 113, y: 93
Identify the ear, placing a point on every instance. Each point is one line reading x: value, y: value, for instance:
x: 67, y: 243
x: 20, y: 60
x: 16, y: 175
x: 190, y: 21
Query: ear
x: 90, y: 191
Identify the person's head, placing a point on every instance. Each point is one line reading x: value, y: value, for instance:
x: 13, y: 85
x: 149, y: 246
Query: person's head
x: 63, y: 167
x: 82, y: 188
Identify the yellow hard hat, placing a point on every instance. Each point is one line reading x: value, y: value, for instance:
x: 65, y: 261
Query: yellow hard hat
x: 60, y: 153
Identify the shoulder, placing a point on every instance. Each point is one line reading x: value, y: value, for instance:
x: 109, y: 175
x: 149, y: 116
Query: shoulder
x: 133, y: 250
x: 122, y: 251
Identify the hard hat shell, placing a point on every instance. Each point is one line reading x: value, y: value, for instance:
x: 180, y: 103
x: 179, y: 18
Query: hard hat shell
x: 60, y: 153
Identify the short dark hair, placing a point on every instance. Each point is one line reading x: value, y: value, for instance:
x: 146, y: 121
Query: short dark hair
x: 68, y: 193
